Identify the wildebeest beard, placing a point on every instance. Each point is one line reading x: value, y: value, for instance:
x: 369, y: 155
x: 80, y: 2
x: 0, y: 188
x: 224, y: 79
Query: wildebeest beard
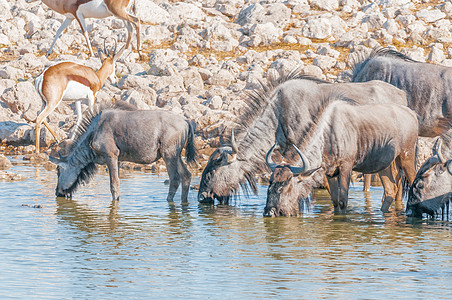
x: 85, y: 175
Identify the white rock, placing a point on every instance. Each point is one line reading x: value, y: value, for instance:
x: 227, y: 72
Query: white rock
x: 150, y: 12
x: 436, y: 54
x: 265, y: 34
x: 375, y: 20
x: 228, y: 7
x: 277, y: 13
x: 181, y: 12
x: 430, y: 16
x: 23, y: 98
x: 4, y: 39
x: 391, y: 26
x: 324, y: 62
x: 319, y: 28
x: 8, y: 72
x: 416, y: 53
x: 387, y: 3
x: 5, y: 9
x: 222, y: 77
x: 325, y: 4
x: 215, y: 102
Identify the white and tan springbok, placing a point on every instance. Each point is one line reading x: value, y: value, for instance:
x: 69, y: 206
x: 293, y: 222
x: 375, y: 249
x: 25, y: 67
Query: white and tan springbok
x: 82, y: 9
x: 72, y: 82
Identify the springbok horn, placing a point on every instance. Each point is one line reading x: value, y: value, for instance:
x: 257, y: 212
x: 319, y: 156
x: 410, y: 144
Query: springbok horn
x: 233, y: 143
x: 118, y: 55
x: 268, y: 158
x: 105, y: 47
x: 114, y: 49
x: 299, y: 170
x: 437, y: 150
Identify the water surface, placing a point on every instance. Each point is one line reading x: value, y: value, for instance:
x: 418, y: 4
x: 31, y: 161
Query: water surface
x: 142, y: 247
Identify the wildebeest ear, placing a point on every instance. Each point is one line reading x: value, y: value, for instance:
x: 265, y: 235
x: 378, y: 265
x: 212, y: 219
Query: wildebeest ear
x: 230, y: 157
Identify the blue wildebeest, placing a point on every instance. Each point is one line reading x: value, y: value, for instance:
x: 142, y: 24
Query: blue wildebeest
x: 122, y: 133
x: 428, y: 86
x: 346, y: 137
x: 431, y: 191
x: 283, y: 110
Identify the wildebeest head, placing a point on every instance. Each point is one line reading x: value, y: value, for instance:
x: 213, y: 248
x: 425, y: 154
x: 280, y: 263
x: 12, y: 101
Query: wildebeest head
x: 432, y: 188
x: 284, y: 193
x: 70, y: 176
x: 222, y: 175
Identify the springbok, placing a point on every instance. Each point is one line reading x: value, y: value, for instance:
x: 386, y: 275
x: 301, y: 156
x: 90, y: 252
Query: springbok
x: 72, y: 82
x: 82, y: 9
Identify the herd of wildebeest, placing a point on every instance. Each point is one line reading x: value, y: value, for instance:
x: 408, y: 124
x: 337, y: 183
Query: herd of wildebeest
x: 328, y: 130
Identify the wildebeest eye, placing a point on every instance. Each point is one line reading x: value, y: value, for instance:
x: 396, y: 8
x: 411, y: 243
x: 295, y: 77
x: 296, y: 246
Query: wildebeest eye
x: 420, y: 185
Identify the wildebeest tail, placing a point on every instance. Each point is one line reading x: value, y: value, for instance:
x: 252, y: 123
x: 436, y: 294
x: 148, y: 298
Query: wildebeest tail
x: 190, y: 149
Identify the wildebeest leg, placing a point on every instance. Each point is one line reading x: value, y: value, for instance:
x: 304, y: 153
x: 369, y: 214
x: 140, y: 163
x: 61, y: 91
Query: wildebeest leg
x: 339, y: 191
x: 174, y: 178
x: 399, y: 196
x: 334, y: 189
x: 345, y: 175
x: 407, y: 161
x: 367, y: 178
x: 185, y: 177
x: 390, y: 187
x: 113, y: 170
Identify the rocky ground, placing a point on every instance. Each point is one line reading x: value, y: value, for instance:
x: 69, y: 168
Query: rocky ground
x: 201, y: 57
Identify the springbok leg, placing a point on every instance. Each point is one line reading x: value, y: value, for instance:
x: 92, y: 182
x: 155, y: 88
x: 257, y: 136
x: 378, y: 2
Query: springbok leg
x: 60, y: 30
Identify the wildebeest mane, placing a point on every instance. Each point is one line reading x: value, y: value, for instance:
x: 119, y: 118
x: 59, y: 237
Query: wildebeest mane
x: 89, y: 117
x: 79, y: 151
x: 361, y: 59
x: 258, y: 99
x: 326, y: 99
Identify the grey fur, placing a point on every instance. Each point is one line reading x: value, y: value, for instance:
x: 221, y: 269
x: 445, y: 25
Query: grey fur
x: 428, y: 86
x: 122, y: 133
x: 284, y: 113
x: 431, y: 191
x: 363, y: 138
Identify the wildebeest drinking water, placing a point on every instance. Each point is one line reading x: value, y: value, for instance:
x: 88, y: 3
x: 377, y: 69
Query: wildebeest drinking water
x: 283, y: 110
x: 122, y: 133
x: 428, y: 86
x: 431, y: 191
x: 346, y: 137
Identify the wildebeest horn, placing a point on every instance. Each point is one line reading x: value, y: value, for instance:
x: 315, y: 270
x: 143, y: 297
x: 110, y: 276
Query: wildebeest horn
x: 299, y: 170
x: 233, y: 144
x: 268, y: 158
x: 437, y: 150
x: 449, y: 166
x: 55, y: 160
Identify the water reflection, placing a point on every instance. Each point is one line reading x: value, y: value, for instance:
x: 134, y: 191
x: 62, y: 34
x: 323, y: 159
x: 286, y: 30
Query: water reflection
x: 91, y: 247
